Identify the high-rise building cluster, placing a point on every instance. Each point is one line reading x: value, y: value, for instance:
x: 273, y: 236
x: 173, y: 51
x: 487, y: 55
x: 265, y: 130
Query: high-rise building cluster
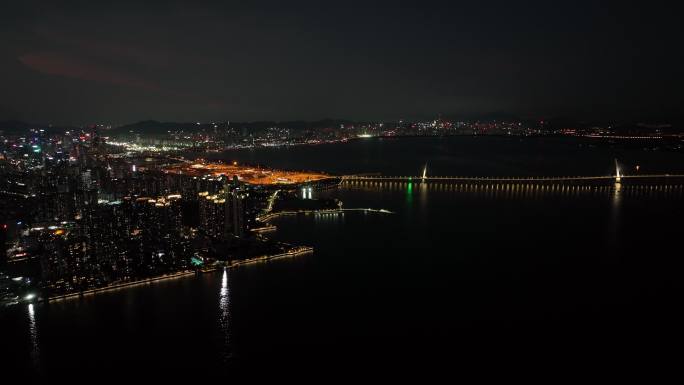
x: 86, y: 216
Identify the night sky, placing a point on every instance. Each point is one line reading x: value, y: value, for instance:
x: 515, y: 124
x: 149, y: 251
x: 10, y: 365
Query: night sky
x: 283, y: 60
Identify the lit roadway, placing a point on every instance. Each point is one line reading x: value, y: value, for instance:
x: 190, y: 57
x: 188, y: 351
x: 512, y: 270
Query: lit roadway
x: 617, y: 178
x: 261, y: 176
x: 505, y: 179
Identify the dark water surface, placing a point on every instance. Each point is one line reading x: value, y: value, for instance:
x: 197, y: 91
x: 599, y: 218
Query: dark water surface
x: 465, y: 156
x: 455, y: 275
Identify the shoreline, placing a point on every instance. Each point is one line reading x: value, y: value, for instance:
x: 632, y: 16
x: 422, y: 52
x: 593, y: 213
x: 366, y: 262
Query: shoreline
x: 270, y: 216
x: 294, y: 252
x: 623, y: 139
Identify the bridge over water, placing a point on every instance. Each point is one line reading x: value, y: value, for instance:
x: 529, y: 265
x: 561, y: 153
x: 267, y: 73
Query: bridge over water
x: 665, y: 179
x: 627, y: 179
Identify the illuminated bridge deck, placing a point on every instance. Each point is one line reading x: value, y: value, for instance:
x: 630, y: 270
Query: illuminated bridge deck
x: 674, y: 179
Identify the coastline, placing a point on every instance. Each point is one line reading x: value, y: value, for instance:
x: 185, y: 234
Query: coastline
x: 270, y: 216
x: 293, y: 252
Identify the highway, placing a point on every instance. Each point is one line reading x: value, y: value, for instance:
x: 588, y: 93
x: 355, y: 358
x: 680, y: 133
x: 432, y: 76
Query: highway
x: 532, y: 179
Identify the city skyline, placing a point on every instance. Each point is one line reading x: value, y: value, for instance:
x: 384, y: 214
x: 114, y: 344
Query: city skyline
x: 288, y: 188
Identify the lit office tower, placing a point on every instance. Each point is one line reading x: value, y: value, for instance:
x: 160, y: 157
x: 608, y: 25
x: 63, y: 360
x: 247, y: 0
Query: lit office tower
x: 227, y: 231
x: 211, y: 215
x: 164, y: 234
x: 238, y: 213
x: 86, y: 180
x: 3, y: 244
x: 108, y: 240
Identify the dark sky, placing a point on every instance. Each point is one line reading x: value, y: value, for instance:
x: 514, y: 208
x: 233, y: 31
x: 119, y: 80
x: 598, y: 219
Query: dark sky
x: 83, y: 62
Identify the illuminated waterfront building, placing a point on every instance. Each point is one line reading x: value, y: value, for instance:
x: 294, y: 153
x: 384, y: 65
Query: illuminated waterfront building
x: 238, y: 213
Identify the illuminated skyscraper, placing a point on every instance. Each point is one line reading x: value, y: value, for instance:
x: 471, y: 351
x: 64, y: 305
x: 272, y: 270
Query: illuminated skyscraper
x: 238, y: 213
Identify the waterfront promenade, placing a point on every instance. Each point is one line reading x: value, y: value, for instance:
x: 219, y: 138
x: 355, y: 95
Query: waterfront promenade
x: 291, y: 253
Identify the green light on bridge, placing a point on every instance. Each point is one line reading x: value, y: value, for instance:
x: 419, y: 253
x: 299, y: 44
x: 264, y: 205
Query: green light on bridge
x: 409, y: 193
x: 196, y: 261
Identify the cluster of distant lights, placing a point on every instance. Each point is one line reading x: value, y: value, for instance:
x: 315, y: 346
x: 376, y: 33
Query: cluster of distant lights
x: 133, y: 147
x: 29, y: 296
x: 286, y: 143
x: 622, y: 136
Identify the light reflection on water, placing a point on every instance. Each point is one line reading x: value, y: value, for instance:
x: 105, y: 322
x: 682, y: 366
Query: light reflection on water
x: 517, y: 190
x: 417, y: 194
x: 33, y: 334
x: 224, y: 315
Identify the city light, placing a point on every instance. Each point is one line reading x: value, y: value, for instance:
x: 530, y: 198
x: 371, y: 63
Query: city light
x: 376, y: 189
x: 246, y: 174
